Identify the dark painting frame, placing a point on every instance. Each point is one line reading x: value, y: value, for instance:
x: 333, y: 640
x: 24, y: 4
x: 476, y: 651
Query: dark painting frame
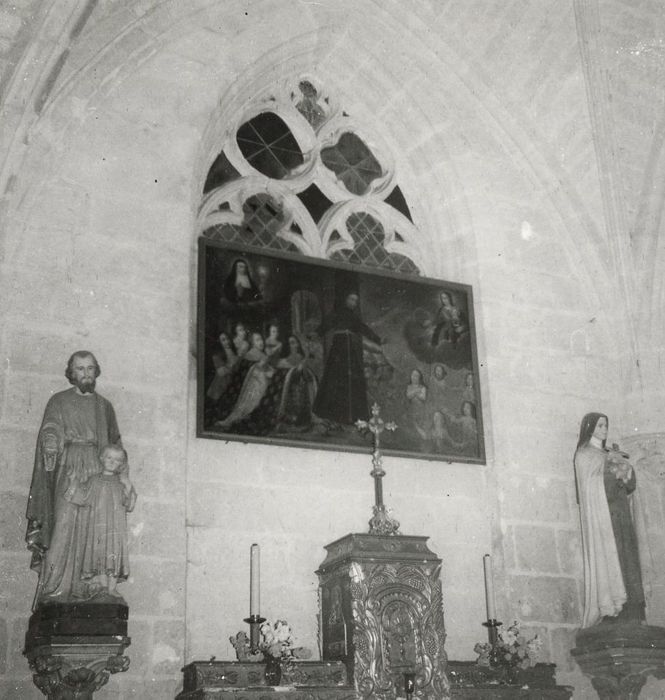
x: 322, y: 342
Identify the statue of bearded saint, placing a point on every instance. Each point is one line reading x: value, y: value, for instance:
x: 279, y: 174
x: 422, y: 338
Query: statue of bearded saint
x: 78, y: 425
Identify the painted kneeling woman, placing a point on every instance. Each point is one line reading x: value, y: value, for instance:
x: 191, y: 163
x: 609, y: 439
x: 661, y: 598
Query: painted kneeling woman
x: 611, y: 528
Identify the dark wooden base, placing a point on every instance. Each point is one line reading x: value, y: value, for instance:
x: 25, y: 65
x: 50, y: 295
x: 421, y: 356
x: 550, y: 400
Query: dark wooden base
x: 74, y: 648
x: 76, y: 619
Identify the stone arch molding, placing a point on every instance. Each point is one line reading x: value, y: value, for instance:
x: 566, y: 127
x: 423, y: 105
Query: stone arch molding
x: 224, y: 204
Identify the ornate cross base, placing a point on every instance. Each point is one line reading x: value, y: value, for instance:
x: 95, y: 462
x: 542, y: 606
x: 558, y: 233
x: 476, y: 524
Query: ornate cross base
x: 619, y: 657
x: 381, y: 614
x: 73, y: 648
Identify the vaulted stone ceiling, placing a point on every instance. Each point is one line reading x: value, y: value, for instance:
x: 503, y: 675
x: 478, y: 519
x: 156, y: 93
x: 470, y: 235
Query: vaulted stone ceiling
x: 620, y: 46
x: 631, y: 42
x: 17, y: 21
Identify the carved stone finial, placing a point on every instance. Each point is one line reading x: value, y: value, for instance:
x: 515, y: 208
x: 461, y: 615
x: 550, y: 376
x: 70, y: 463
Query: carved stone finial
x: 381, y: 523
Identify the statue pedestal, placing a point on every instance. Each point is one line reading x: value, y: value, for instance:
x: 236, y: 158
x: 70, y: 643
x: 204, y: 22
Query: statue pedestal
x: 619, y: 657
x: 382, y: 615
x: 73, y: 648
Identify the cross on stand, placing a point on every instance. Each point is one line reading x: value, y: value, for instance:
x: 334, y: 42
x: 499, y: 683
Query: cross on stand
x: 380, y: 523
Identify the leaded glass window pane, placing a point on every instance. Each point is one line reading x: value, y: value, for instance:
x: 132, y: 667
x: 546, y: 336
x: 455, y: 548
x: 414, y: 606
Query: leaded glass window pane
x: 315, y: 201
x: 220, y: 173
x: 309, y: 105
x: 397, y: 201
x: 368, y: 237
x: 269, y: 146
x: 352, y: 162
x: 263, y: 220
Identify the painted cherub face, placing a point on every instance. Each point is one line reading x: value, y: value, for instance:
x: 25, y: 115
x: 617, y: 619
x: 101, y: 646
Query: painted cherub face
x: 352, y: 300
x: 257, y: 341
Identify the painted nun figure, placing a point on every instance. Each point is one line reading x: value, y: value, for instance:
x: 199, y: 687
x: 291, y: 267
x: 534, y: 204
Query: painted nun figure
x: 612, y: 527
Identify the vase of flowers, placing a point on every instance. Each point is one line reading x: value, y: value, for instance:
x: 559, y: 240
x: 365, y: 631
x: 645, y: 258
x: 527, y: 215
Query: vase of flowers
x: 278, y: 649
x: 511, y: 654
x: 273, y: 670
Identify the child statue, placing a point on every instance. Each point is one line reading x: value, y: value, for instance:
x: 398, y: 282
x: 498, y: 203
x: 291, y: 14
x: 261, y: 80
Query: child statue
x: 109, y: 496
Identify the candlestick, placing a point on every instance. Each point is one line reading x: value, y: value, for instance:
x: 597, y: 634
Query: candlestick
x: 254, y: 622
x: 254, y: 580
x: 489, y: 588
x: 492, y: 631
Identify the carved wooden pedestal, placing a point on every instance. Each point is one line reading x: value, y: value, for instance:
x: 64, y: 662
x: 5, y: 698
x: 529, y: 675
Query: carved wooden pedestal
x: 381, y: 614
x: 73, y: 649
x: 619, y: 657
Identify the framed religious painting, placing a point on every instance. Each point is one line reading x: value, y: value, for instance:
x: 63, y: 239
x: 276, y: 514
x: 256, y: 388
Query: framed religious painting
x: 294, y: 350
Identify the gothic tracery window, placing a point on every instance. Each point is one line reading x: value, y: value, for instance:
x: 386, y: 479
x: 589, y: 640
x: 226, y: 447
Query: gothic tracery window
x: 297, y: 173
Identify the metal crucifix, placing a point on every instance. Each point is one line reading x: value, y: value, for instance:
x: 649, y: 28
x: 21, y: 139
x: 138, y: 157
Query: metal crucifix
x: 380, y: 523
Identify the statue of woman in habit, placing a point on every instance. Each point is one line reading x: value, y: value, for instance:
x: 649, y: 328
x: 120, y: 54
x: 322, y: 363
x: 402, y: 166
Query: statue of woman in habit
x: 606, y: 483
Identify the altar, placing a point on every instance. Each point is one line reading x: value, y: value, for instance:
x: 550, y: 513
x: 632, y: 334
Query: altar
x: 224, y: 680
x: 381, y: 628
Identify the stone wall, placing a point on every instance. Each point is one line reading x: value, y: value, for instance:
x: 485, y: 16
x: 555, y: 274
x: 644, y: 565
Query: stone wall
x: 485, y: 106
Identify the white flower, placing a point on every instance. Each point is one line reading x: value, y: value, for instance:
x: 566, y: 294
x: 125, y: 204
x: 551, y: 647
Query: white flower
x: 508, y: 637
x: 282, y: 631
x: 267, y: 634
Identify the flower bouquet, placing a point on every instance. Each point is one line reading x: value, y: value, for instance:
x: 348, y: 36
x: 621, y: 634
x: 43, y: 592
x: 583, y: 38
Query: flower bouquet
x: 278, y: 649
x: 618, y: 463
x: 512, y: 650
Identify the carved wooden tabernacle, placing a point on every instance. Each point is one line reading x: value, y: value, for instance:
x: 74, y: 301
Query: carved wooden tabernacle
x: 382, y: 615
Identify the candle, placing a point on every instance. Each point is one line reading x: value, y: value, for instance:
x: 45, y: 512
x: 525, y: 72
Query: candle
x: 489, y: 588
x: 254, y: 580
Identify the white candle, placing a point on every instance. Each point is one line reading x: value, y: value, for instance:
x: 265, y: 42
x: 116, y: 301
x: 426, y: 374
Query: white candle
x: 489, y: 588
x: 254, y: 580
